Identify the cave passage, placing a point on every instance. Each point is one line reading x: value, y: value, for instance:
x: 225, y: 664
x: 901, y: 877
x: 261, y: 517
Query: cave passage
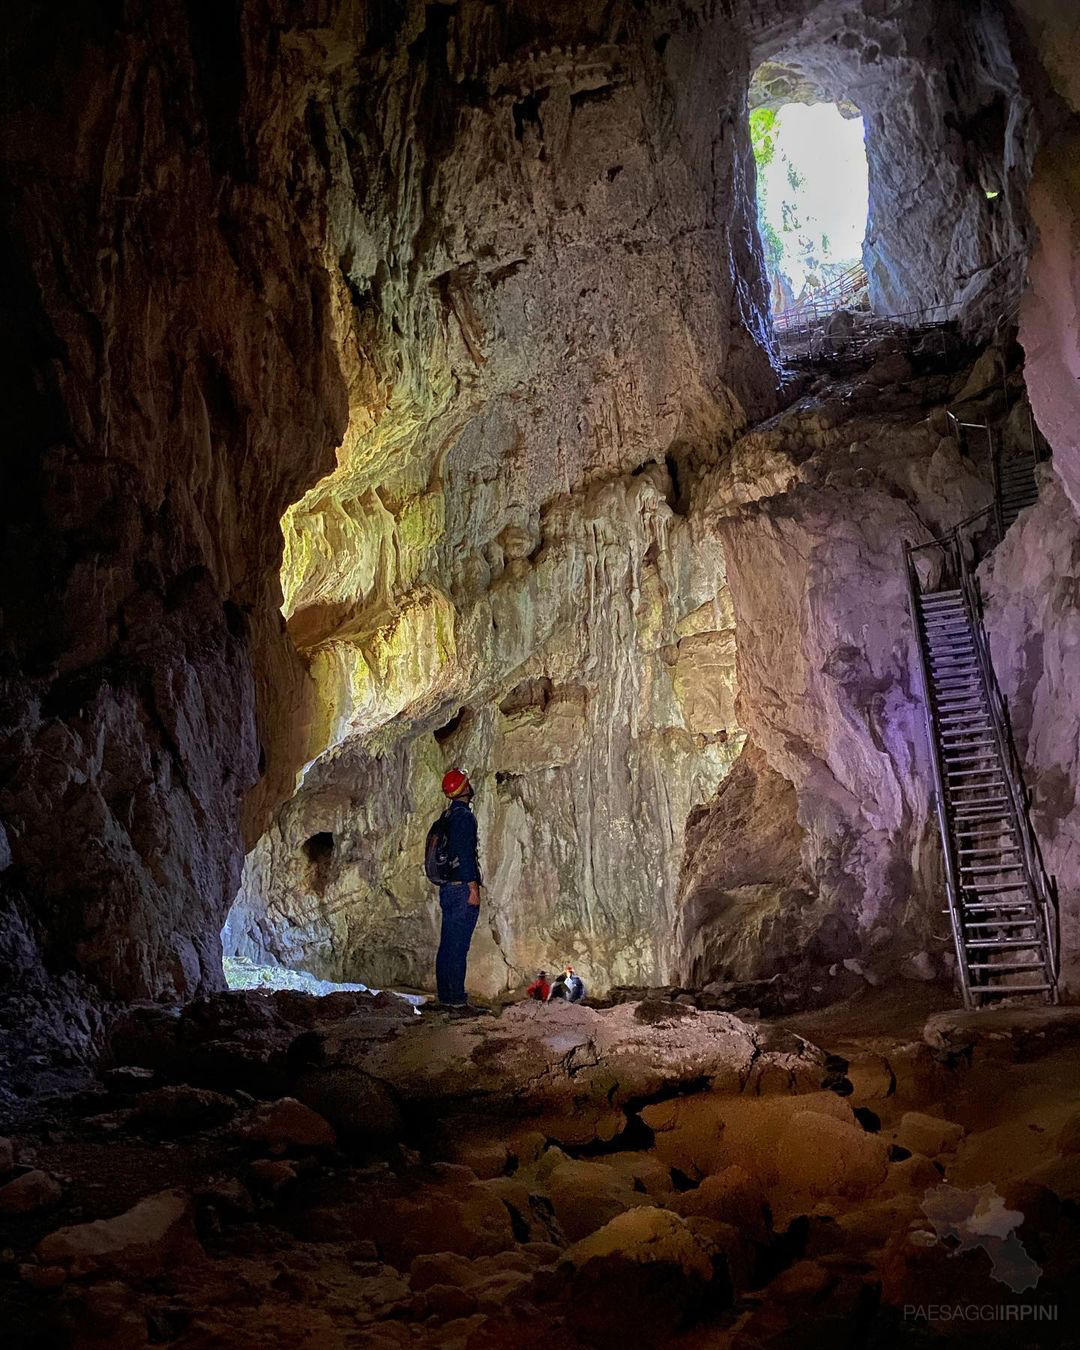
x: 811, y: 195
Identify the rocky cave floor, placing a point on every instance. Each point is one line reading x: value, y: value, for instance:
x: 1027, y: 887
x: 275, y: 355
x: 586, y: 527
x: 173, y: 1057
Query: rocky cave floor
x: 276, y: 1169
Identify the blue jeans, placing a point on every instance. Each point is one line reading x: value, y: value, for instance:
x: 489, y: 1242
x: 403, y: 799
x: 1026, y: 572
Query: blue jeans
x: 458, y: 921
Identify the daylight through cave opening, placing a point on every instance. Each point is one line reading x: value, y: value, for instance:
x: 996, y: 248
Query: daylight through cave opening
x: 811, y: 175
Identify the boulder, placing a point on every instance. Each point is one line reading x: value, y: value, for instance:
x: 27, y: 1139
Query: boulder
x: 358, y: 1106
x: 911, y: 1176
x: 644, y: 1171
x: 733, y: 1197
x: 638, y: 1279
x: 288, y: 1123
x: 31, y: 1191
x: 929, y: 1135
x: 153, y: 1236
x: 447, y: 1301
x: 586, y: 1195
x: 558, y: 1064
x: 818, y: 1155
x: 445, y: 1209
x: 181, y: 1109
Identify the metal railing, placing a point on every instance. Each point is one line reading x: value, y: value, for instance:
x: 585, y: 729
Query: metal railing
x: 824, y: 300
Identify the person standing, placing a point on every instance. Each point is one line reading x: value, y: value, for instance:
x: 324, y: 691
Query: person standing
x: 451, y: 863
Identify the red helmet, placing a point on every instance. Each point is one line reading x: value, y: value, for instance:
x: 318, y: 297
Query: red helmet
x: 454, y: 781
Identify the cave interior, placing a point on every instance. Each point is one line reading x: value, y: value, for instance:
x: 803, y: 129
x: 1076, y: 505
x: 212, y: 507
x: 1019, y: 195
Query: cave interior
x: 400, y: 386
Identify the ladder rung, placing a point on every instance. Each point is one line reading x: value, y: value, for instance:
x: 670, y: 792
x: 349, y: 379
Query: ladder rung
x: 998, y: 890
x: 976, y: 773
x: 1011, y: 988
x: 986, y: 908
x: 999, y: 923
x: 1002, y: 966
x: 990, y: 852
x: 1004, y: 945
x: 977, y: 869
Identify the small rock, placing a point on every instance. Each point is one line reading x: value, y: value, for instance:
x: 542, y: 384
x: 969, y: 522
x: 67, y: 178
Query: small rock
x: 803, y: 1280
x: 146, y: 1240
x: 442, y: 1268
x: 272, y: 1173
x: 892, y: 369
x: 1068, y: 1141
x: 488, y: 1158
x: 229, y: 1196
x: 43, y: 1277
x: 31, y: 1191
x: 288, y: 1123
x: 447, y: 1301
x: 920, y: 966
x: 854, y: 966
x: 127, y: 1078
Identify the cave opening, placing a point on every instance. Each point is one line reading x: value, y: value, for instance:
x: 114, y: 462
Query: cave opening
x: 812, y: 198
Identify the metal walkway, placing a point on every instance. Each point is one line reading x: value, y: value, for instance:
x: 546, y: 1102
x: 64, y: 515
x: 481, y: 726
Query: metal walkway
x: 1002, y: 905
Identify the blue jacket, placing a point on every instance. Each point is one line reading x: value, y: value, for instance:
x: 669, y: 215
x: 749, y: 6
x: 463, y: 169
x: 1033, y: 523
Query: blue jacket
x: 461, y: 832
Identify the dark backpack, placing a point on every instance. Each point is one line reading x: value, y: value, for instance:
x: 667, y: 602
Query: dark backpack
x: 437, y: 852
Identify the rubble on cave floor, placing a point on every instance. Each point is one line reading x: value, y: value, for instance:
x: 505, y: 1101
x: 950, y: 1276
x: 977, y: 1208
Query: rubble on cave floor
x: 281, y: 1170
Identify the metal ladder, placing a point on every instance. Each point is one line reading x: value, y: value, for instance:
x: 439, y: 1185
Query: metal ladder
x: 1002, y: 905
x: 1016, y: 486
x: 1014, y: 476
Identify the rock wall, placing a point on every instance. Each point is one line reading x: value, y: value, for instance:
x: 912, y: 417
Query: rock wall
x: 812, y: 510
x: 597, y: 709
x: 1031, y: 586
x: 170, y: 384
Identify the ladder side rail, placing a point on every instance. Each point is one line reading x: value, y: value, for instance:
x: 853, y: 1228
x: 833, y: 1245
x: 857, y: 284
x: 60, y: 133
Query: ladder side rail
x: 952, y: 891
x: 1034, y: 867
x: 994, y: 448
